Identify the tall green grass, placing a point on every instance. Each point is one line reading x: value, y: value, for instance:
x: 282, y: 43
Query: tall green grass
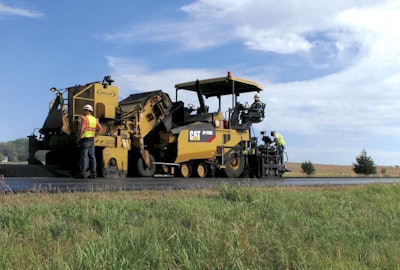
x: 231, y: 228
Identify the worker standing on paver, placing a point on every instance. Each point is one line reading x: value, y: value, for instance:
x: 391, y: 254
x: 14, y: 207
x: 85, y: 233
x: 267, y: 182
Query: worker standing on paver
x: 279, y: 143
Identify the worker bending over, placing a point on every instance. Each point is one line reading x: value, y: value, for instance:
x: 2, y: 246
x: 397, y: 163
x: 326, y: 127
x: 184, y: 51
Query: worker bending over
x: 280, y: 144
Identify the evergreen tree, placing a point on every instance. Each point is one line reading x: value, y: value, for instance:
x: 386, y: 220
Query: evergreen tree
x: 308, y: 167
x: 364, y: 164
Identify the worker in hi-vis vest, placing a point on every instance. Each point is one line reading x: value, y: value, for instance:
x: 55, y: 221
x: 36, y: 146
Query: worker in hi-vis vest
x: 89, y: 128
x: 280, y: 144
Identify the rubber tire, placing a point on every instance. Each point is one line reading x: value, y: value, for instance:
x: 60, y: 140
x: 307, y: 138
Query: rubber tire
x: 185, y: 170
x: 235, y: 167
x: 270, y: 172
x: 142, y: 170
x: 202, y: 170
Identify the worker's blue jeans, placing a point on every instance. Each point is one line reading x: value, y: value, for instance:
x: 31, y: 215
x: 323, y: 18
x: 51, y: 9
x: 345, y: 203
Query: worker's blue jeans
x: 87, y: 156
x: 281, y: 150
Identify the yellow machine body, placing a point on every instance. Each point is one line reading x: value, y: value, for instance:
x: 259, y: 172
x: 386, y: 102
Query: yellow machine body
x: 146, y: 130
x: 206, y: 142
x: 114, y: 142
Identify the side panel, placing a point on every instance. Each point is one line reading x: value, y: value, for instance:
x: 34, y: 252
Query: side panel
x: 201, y: 141
x: 105, y: 141
x: 114, y: 155
x: 105, y: 100
x: 115, y: 162
x: 190, y: 146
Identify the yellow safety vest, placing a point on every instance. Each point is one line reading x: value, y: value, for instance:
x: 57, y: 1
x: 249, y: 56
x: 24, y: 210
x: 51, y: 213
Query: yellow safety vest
x: 257, y: 107
x: 90, y: 128
x: 279, y: 140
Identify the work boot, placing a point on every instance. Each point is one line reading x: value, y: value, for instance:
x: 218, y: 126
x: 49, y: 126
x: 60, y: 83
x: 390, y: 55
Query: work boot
x: 93, y: 175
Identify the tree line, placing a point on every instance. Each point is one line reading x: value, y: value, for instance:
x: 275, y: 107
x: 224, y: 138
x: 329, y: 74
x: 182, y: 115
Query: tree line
x: 15, y: 151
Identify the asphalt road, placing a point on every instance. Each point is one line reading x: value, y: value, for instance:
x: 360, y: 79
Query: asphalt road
x: 45, y: 184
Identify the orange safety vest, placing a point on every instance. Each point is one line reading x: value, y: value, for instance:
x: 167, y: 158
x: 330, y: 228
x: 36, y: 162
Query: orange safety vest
x: 89, y: 128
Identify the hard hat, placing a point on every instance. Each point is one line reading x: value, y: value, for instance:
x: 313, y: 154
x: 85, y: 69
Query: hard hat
x: 257, y: 96
x: 88, y: 107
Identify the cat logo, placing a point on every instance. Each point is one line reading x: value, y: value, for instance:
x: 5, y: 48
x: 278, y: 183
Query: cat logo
x: 194, y: 135
x: 202, y: 135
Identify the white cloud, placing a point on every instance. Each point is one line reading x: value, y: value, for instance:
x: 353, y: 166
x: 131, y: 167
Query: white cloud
x: 6, y: 10
x: 266, y: 40
x: 192, y: 36
x: 271, y: 26
x: 341, y: 113
x: 358, y: 106
x: 135, y: 76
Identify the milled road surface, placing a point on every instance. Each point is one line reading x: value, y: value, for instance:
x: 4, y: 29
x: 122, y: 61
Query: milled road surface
x: 56, y: 184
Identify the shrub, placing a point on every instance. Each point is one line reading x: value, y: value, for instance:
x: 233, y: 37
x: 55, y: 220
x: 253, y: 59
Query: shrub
x: 364, y: 164
x: 308, y: 168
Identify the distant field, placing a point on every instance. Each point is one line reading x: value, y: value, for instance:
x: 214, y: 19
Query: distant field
x: 323, y: 170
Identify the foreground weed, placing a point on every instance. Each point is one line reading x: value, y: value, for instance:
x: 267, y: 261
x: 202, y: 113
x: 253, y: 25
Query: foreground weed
x: 235, y: 194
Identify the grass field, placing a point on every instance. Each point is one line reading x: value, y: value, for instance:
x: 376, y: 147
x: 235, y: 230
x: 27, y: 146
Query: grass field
x: 352, y: 227
x: 324, y: 170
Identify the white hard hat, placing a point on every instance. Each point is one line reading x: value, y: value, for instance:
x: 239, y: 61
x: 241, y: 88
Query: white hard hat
x: 88, y: 107
x: 257, y: 96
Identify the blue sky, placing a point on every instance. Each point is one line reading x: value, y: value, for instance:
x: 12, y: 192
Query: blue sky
x: 330, y: 70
